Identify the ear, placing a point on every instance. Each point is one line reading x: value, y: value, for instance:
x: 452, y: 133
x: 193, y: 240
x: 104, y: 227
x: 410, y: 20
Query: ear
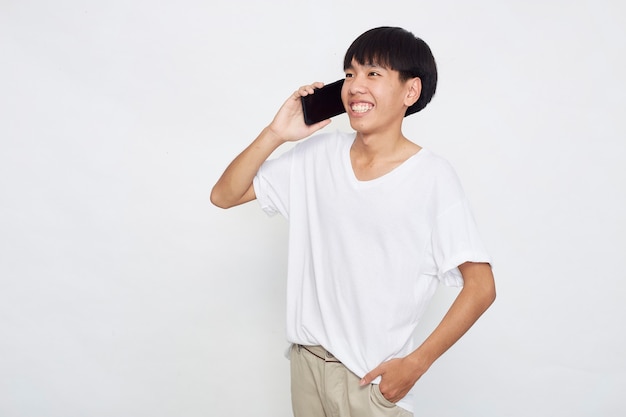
x: 414, y: 90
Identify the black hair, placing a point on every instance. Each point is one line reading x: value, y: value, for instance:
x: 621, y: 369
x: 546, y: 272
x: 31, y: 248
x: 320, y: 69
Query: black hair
x: 397, y: 49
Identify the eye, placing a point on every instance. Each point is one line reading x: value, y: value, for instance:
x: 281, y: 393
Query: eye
x: 349, y: 75
x: 373, y: 74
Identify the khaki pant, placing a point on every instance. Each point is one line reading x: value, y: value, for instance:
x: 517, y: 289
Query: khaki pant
x: 321, y: 386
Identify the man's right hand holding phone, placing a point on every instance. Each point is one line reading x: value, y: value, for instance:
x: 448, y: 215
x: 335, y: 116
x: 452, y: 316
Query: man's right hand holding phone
x: 288, y: 124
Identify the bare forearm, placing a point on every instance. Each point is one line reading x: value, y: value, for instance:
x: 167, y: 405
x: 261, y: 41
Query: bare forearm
x: 399, y: 375
x: 235, y: 185
x: 477, y: 295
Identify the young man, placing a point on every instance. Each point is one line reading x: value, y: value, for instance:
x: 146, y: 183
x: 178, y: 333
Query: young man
x: 375, y: 223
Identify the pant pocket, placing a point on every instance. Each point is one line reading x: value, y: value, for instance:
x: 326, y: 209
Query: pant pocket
x: 379, y: 398
x: 384, y: 407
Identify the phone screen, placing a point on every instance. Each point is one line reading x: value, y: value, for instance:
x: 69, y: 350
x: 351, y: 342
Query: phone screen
x: 323, y: 104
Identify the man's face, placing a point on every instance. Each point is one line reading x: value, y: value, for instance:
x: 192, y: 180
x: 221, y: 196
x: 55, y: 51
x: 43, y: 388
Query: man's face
x: 374, y: 97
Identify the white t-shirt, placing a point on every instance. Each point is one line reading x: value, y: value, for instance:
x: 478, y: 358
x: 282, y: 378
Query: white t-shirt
x: 365, y: 257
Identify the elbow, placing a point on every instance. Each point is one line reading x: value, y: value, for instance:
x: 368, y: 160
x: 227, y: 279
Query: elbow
x: 479, y: 282
x: 492, y: 294
x: 219, y: 204
x: 489, y: 291
x: 218, y: 200
x: 221, y: 198
x: 485, y: 296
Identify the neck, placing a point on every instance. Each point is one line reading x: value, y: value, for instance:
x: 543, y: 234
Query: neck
x: 379, y: 146
x: 372, y: 157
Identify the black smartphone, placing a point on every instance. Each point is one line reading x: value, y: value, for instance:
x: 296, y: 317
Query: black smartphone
x: 323, y: 104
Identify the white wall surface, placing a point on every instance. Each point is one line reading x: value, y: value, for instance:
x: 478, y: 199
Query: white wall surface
x: 124, y: 293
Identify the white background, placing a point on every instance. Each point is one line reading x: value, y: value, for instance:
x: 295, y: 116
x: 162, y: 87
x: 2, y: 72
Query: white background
x: 123, y: 292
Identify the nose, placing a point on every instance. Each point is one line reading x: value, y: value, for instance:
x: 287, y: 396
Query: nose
x: 355, y: 84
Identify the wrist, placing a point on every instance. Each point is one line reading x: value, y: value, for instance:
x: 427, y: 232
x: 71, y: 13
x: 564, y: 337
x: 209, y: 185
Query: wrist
x: 273, y: 135
x: 419, y: 361
x: 271, y: 138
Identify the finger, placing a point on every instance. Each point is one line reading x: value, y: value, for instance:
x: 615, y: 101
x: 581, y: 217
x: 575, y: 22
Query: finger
x: 305, y: 90
x: 370, y: 376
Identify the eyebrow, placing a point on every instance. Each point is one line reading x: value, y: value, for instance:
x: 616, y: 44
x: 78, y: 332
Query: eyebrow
x: 369, y: 65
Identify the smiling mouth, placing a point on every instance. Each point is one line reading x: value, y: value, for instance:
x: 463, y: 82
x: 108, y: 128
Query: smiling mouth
x: 361, y: 107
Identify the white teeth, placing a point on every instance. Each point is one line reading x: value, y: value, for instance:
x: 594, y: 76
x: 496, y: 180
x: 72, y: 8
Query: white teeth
x: 361, y: 107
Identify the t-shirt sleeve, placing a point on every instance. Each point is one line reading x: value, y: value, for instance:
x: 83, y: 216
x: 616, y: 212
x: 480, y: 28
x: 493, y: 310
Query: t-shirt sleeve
x: 271, y: 185
x: 456, y: 240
